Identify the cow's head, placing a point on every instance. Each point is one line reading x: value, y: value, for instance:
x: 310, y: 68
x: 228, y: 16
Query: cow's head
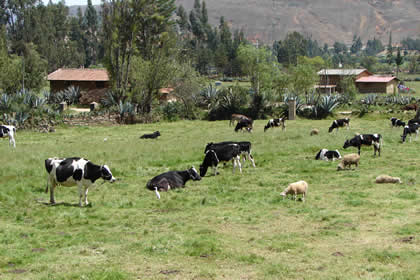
x: 346, y: 144
x: 194, y: 174
x: 338, y: 153
x: 157, y: 133
x: 330, y: 129
x: 203, y: 170
x: 106, y: 174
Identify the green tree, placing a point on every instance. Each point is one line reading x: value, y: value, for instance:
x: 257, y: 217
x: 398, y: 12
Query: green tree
x: 398, y: 60
x: 288, y: 50
x: 356, y: 45
x: 303, y: 77
x: 91, y: 35
x: 368, y: 62
x: 389, y: 50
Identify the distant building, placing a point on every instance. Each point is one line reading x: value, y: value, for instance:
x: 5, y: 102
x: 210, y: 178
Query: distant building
x: 377, y: 84
x: 93, y: 83
x: 330, y: 79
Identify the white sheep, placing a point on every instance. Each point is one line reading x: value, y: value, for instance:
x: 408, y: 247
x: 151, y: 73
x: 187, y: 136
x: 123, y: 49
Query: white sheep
x: 314, y: 131
x: 300, y: 187
x: 381, y: 179
x: 348, y: 160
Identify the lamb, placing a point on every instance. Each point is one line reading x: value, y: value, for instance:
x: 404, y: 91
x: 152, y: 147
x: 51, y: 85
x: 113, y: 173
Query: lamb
x: 382, y: 179
x: 348, y: 160
x: 300, y: 187
x: 314, y: 131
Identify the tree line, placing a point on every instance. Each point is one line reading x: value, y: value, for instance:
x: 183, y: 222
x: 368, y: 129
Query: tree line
x: 151, y: 44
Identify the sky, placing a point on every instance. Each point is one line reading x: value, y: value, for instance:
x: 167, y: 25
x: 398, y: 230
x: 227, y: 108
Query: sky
x: 74, y: 2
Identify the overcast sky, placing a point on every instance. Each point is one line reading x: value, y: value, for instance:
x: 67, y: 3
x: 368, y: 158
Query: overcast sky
x: 74, y: 2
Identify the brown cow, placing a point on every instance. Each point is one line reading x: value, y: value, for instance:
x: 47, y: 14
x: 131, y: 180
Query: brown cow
x: 238, y: 117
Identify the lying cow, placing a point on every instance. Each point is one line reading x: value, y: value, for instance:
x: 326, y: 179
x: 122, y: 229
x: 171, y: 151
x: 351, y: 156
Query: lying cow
x: 326, y: 155
x: 229, y: 152
x: 280, y: 122
x: 9, y: 131
x: 244, y: 124
x: 171, y: 180
x: 339, y: 123
x: 408, y: 130
x: 397, y: 122
x: 153, y: 135
x: 237, y: 118
x: 409, y: 107
x: 365, y: 139
x: 244, y: 146
x: 75, y: 171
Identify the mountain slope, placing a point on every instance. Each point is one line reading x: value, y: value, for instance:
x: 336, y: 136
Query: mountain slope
x: 325, y: 20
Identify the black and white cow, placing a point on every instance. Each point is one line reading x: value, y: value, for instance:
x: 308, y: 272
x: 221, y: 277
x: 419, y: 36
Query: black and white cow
x: 224, y: 153
x: 276, y: 123
x: 413, y: 121
x: 397, y: 122
x: 326, y: 155
x: 244, y: 146
x: 244, y: 124
x: 172, y: 179
x: 153, y: 135
x: 74, y: 171
x: 339, y: 123
x: 365, y: 139
x: 10, y: 131
x: 410, y: 129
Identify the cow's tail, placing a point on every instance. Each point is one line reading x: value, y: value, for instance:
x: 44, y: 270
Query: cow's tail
x: 318, y: 154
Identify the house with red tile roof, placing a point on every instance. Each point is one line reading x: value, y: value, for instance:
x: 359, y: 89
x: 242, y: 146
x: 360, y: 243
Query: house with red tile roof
x: 377, y: 84
x: 93, y: 83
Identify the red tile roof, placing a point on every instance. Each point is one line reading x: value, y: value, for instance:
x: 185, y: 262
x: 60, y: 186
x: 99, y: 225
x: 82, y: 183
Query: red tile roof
x: 375, y: 79
x: 66, y: 74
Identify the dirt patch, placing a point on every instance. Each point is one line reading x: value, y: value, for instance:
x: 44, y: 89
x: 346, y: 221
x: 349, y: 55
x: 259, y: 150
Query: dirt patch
x: 338, y: 254
x: 17, y: 271
x: 166, y: 272
x: 408, y: 239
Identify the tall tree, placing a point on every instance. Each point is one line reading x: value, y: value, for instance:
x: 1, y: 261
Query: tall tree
x: 356, y: 45
x: 390, y: 49
x: 398, y: 60
x: 91, y: 35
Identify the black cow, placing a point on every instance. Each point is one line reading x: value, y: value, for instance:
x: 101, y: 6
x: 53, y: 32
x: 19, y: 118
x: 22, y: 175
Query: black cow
x: 244, y: 123
x: 365, y: 139
x: 244, y: 146
x: 221, y: 153
x: 276, y: 123
x: 172, y: 179
x: 339, y: 123
x: 153, y: 135
x: 326, y: 155
x: 75, y: 171
x: 397, y: 122
x: 408, y: 130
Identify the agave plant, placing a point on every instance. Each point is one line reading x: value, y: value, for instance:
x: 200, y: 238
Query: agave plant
x: 209, y: 95
x: 370, y: 99
x: 5, y: 102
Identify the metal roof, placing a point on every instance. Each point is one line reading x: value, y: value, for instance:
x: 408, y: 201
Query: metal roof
x: 341, y: 72
x: 68, y: 74
x: 375, y: 79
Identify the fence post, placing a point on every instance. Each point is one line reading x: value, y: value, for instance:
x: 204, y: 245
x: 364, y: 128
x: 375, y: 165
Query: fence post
x: 62, y: 106
x: 292, y: 110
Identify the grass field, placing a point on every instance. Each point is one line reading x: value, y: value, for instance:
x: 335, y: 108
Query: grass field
x: 222, y: 227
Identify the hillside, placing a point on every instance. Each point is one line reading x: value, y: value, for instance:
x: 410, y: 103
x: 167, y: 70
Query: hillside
x: 326, y: 20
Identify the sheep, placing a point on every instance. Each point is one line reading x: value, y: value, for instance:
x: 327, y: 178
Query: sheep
x: 300, y: 187
x: 314, y: 131
x: 348, y: 160
x: 382, y: 179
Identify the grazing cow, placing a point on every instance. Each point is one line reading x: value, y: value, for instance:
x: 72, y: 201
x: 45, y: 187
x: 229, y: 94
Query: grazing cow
x: 397, y: 122
x: 244, y: 146
x: 339, y: 123
x: 172, y: 179
x: 244, y: 123
x: 153, y: 135
x: 10, y: 131
x: 221, y: 153
x: 326, y: 155
x: 276, y: 123
x: 408, y: 130
x: 365, y: 139
x: 75, y: 171
x: 237, y: 118
x: 409, y: 107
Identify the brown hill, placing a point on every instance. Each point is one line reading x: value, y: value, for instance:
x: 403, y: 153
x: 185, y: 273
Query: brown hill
x: 325, y: 20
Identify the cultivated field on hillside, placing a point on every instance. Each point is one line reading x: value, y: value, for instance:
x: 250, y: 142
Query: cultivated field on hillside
x: 230, y: 226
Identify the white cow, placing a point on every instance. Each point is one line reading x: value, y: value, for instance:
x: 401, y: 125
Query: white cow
x: 10, y: 131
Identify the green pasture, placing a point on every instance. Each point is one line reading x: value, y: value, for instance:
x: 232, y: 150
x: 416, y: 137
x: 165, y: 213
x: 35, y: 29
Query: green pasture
x: 230, y: 226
